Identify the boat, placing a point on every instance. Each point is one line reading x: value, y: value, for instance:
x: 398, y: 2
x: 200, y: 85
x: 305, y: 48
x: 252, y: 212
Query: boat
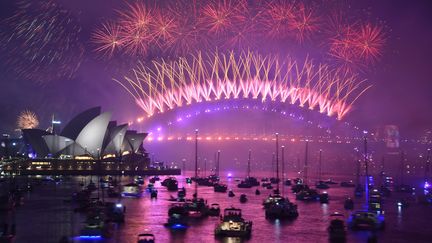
x: 244, y: 184
x: 347, y: 184
x: 197, y: 207
x: 287, y: 182
x: 299, y: 187
x: 308, y: 195
x: 214, y: 210
x: 365, y: 220
x: 170, y: 183
x: 231, y: 193
x: 269, y: 187
x: 337, y: 229
x: 249, y: 181
x: 131, y: 190
x: 115, y: 212
x: 278, y: 207
x: 349, y: 204
x: 153, y: 193
x: 146, y: 238
x: 154, y: 179
x: 95, y: 227
x: 257, y: 192
x: 265, y: 184
x: 243, y: 198
x: 324, y: 197
x: 188, y: 180
x: 219, y: 187
x: 139, y: 180
x: 233, y: 225
x: 177, y: 222
x: 179, y: 209
x: 322, y: 185
x: 375, y: 201
x: 181, y: 193
x: 330, y: 182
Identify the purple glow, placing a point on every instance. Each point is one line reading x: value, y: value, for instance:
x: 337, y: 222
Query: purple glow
x: 427, y: 185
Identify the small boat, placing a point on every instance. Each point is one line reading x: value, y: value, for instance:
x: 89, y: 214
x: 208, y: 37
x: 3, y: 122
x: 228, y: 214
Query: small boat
x: 146, y: 238
x: 181, y: 193
x: 274, y: 180
x: 170, y: 183
x: 115, y: 212
x: 349, y: 204
x: 244, y: 184
x: 131, y: 190
x: 197, y: 207
x: 188, y: 180
x: 330, y: 182
x: 308, y: 195
x: 402, y: 203
x: 265, y: 184
x: 179, y: 209
x: 95, y: 228
x: 322, y: 185
x: 278, y: 207
x: 233, y: 225
x: 218, y: 187
x: 287, y: 182
x: 324, y: 197
x: 243, y: 198
x: 375, y: 202
x: 257, y: 192
x: 337, y: 229
x: 347, y: 184
x: 139, y: 180
x: 365, y: 220
x: 177, y: 222
x: 153, y: 193
x: 231, y: 193
x: 214, y: 210
x: 299, y: 187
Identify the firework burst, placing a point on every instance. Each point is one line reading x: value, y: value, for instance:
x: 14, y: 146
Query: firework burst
x: 218, y: 76
x: 108, y: 39
x: 27, y: 120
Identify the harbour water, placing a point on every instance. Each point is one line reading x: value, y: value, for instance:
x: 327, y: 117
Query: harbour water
x: 47, y: 215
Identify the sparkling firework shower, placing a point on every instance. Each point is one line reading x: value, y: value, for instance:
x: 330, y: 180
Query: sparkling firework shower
x: 40, y: 41
x: 216, y: 76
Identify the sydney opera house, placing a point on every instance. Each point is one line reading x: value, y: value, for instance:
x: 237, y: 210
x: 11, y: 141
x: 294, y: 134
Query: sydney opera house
x: 89, y: 142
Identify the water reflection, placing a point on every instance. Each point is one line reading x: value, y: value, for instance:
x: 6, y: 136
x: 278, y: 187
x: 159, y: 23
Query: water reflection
x: 47, y: 217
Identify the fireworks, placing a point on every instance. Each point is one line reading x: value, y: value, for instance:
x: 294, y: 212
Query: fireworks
x: 355, y: 46
x: 40, y: 41
x: 27, y: 120
x: 250, y: 76
x: 108, y: 39
x: 185, y: 26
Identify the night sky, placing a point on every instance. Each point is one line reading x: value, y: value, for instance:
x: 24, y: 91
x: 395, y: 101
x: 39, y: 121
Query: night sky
x: 401, y: 92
